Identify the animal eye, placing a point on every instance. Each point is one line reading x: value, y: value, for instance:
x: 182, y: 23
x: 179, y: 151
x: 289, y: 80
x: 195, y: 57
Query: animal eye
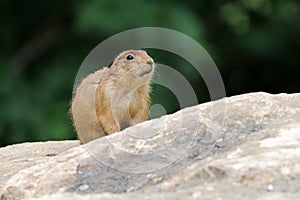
x: 130, y: 57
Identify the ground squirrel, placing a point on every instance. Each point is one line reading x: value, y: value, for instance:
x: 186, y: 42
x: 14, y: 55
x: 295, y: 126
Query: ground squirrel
x: 114, y: 98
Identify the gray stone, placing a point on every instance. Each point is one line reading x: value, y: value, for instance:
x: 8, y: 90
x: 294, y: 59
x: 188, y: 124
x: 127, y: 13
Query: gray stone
x: 242, y: 147
x: 21, y: 156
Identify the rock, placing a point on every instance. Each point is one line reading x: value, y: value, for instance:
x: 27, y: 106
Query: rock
x: 242, y: 147
x: 21, y: 156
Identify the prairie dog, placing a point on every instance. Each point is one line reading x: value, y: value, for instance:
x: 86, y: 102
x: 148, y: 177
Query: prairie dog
x: 112, y: 99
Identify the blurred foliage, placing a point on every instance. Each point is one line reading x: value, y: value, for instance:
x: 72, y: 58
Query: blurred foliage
x: 255, y: 44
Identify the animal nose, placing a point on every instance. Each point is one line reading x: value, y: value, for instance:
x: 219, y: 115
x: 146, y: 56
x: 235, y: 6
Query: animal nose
x: 150, y: 62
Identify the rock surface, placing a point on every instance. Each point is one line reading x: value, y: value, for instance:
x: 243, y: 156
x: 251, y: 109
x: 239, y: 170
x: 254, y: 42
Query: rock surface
x: 242, y: 147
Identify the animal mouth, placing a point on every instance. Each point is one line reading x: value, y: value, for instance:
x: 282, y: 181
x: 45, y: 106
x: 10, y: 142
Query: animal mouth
x: 147, y: 71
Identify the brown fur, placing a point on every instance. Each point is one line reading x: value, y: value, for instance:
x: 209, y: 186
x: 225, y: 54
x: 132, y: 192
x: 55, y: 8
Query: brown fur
x: 111, y: 99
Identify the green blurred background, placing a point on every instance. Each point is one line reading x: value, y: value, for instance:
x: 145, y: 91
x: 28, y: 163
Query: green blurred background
x: 255, y: 44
